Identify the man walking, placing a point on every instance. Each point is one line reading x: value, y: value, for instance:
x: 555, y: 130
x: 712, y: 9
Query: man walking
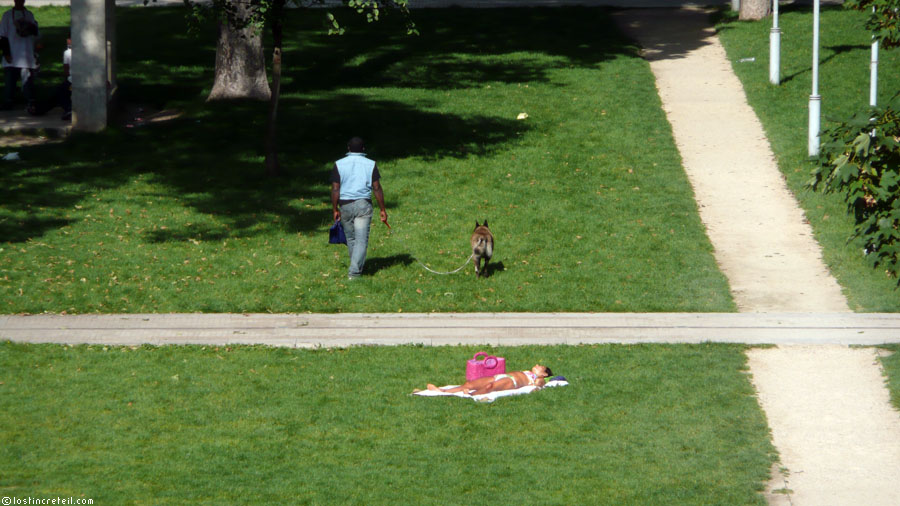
x: 353, y: 181
x: 18, y: 36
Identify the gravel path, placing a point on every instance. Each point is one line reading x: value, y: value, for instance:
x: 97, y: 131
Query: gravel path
x: 762, y: 241
x: 832, y: 422
x: 837, y: 435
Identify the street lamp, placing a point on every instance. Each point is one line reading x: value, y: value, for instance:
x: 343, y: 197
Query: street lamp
x: 774, y: 46
x: 815, y: 101
x: 873, y: 79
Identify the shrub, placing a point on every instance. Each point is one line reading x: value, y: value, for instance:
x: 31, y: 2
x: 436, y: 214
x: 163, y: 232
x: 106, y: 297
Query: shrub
x: 861, y: 157
x: 884, y: 20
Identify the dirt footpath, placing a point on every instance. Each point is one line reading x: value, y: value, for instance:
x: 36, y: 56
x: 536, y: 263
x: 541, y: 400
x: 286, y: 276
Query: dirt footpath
x: 762, y: 241
x: 832, y: 422
x: 828, y: 407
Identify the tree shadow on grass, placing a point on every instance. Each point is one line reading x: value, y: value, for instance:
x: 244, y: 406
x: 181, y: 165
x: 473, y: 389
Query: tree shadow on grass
x: 211, y: 159
x: 213, y: 164
x: 41, y: 193
x: 459, y: 48
x: 219, y: 172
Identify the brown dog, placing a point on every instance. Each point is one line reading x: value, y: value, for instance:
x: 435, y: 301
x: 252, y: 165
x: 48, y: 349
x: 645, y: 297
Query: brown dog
x: 482, y: 247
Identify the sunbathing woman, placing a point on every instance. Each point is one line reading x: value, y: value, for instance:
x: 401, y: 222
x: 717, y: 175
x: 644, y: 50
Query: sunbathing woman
x: 508, y: 381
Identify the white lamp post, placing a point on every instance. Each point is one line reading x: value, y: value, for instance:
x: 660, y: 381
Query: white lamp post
x: 774, y: 47
x: 815, y: 101
x: 873, y: 80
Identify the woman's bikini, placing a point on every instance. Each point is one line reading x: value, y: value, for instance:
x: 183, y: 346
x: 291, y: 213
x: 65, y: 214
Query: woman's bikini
x: 532, y: 378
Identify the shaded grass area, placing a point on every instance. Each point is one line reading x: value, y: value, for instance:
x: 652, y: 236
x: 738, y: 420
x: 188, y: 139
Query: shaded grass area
x: 652, y: 424
x: 587, y: 199
x: 844, y: 87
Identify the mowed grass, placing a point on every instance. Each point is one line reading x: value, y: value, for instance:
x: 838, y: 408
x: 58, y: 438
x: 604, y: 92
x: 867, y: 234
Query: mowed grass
x: 844, y: 86
x: 650, y: 424
x: 587, y: 199
x: 891, y: 364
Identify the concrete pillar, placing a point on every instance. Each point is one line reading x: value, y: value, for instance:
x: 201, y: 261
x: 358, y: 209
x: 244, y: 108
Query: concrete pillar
x: 89, y: 65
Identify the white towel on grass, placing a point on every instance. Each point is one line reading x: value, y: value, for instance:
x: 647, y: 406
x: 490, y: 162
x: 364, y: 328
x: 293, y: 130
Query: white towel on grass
x: 491, y: 396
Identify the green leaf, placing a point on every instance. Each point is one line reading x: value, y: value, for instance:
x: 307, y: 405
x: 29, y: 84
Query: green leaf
x: 861, y: 143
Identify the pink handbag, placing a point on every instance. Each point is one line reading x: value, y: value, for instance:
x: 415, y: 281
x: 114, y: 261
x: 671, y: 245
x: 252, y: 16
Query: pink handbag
x: 490, y: 366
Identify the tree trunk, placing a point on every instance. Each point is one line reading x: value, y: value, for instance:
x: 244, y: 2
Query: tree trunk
x: 755, y: 9
x: 272, y: 167
x: 240, y: 64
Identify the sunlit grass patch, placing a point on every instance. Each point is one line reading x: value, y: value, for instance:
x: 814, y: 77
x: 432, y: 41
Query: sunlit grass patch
x: 891, y: 364
x: 638, y: 425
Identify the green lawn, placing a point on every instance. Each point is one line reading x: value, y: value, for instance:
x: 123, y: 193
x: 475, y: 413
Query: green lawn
x: 844, y: 87
x: 891, y: 364
x: 647, y: 424
x: 587, y: 198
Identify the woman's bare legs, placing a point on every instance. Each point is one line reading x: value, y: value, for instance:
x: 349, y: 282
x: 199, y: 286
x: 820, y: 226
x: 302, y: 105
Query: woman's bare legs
x: 493, y: 386
x: 466, y: 387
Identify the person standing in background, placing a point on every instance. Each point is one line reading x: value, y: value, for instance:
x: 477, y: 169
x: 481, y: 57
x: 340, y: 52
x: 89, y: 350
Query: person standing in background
x: 18, y: 38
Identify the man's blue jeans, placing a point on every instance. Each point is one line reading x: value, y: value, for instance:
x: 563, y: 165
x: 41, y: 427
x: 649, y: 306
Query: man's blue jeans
x: 357, y: 217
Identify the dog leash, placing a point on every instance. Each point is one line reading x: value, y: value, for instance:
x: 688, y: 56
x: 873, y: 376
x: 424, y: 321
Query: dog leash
x: 449, y: 272
x: 432, y: 270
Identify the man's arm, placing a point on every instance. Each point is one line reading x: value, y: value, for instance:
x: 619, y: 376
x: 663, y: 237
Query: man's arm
x: 379, y: 197
x: 335, y: 196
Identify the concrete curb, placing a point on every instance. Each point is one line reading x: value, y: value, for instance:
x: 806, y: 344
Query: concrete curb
x: 437, y: 329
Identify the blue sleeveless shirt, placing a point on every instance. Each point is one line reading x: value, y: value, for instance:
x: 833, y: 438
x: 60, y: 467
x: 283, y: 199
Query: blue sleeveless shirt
x: 357, y: 173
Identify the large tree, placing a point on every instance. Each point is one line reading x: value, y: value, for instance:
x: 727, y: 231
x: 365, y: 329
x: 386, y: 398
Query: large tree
x: 755, y: 9
x: 240, y: 60
x: 240, y: 70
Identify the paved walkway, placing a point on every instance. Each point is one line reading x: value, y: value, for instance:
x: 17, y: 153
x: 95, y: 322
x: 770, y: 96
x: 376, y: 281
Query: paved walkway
x: 497, y: 329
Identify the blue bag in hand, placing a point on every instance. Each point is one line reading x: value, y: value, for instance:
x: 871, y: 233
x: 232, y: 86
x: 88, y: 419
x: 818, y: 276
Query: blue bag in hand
x: 336, y: 233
